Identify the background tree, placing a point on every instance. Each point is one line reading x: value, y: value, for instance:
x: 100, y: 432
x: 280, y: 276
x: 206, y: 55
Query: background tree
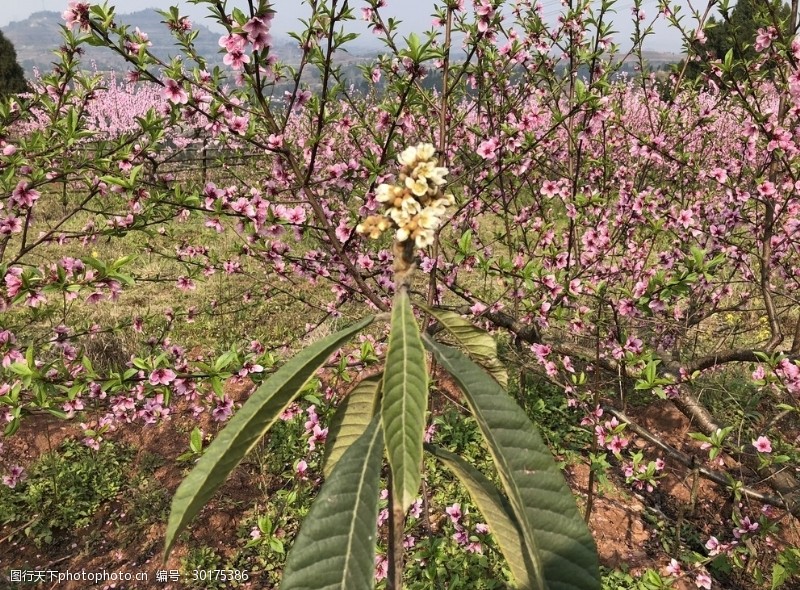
x: 736, y: 30
x: 12, y: 78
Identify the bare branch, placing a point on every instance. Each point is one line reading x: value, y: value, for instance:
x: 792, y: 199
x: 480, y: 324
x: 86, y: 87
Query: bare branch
x: 789, y: 503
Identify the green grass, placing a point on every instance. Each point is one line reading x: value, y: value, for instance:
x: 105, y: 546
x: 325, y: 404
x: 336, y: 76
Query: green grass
x: 621, y: 579
x: 64, y: 490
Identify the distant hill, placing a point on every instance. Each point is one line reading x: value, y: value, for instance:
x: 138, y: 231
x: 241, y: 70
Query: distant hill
x: 655, y: 59
x: 36, y: 37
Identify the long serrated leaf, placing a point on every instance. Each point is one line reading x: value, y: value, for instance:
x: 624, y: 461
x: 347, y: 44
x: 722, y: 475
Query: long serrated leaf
x: 335, y: 548
x: 477, y: 342
x: 246, y: 428
x: 498, y: 514
x: 560, y: 545
x: 351, y: 419
x: 405, y: 398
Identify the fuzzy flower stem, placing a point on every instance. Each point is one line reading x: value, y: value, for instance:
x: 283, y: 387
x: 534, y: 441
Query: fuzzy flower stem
x: 403, y: 263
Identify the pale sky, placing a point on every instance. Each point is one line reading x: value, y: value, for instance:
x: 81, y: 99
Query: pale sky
x: 415, y: 14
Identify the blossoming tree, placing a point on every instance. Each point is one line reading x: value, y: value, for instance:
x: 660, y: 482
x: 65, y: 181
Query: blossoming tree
x: 627, y: 238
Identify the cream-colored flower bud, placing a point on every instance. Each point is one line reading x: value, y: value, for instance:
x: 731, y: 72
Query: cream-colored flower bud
x: 411, y: 206
x: 424, y: 238
x: 373, y: 226
x: 429, y: 218
x: 437, y: 175
x: 399, y: 216
x: 408, y: 156
x: 425, y: 151
x: 422, y: 170
x: 383, y: 193
x: 417, y: 186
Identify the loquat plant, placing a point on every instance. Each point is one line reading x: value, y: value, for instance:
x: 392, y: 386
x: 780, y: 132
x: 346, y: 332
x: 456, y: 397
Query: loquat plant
x: 533, y: 515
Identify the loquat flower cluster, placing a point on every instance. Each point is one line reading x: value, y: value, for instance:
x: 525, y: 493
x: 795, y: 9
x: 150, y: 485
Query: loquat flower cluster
x: 416, y: 204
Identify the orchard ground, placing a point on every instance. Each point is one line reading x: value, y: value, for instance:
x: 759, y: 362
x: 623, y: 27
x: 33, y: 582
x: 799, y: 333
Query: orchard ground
x: 633, y: 533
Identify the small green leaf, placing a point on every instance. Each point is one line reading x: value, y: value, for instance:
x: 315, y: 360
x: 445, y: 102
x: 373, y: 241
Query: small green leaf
x: 276, y: 545
x: 727, y: 63
x: 498, y: 514
x: 405, y: 398
x: 226, y: 359
x: 196, y: 440
x: 20, y: 368
x: 141, y: 364
x: 351, y: 419
x: 216, y: 386
x: 335, y: 548
x: 87, y: 364
x: 246, y: 428
x: 650, y: 371
x: 12, y: 427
